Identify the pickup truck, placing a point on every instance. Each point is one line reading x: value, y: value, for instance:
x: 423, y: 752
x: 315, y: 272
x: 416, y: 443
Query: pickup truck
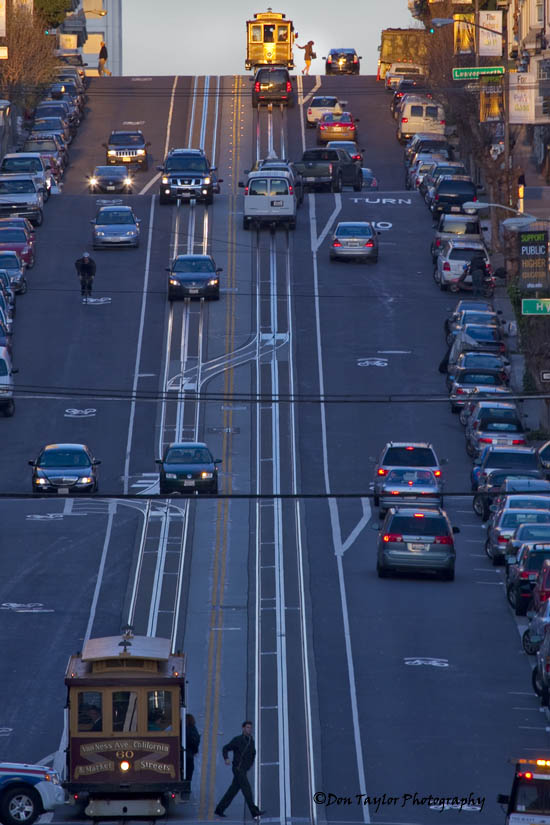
x: 27, y: 791
x: 329, y: 169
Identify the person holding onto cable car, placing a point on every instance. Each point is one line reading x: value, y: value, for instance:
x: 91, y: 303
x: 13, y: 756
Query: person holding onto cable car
x: 244, y: 753
x: 192, y: 742
x: 308, y: 56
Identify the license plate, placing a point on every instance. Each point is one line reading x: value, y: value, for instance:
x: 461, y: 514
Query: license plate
x: 111, y: 188
x: 193, y: 291
x: 532, y: 576
x: 309, y: 179
x: 188, y: 483
x: 276, y: 203
x: 455, y: 208
x: 417, y: 548
x: 63, y: 491
x: 353, y: 243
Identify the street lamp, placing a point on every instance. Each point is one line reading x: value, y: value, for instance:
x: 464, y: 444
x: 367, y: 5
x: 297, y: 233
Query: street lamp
x: 99, y: 12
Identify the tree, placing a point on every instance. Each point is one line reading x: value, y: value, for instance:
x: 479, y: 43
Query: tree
x: 52, y: 11
x: 31, y: 63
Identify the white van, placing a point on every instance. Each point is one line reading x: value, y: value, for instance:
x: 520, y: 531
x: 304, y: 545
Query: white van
x: 420, y: 114
x: 7, y: 404
x: 269, y: 198
x: 399, y: 70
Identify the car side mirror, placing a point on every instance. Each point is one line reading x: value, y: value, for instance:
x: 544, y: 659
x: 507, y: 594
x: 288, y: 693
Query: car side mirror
x: 160, y: 168
x: 148, y: 143
x: 324, y: 58
x: 360, y: 57
x: 493, y: 508
x: 219, y: 269
x: 530, y: 614
x: 241, y: 184
x: 92, y: 221
x: 15, y: 370
x: 220, y: 180
x: 378, y: 232
x: 95, y: 462
x: 167, y: 269
x: 218, y: 460
x: 158, y: 460
x: 356, y: 120
x: 30, y: 463
x: 444, y: 461
x: 503, y: 798
x: 456, y: 530
x: 213, y: 168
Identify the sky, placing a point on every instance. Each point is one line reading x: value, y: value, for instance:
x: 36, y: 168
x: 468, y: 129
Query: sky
x: 208, y: 37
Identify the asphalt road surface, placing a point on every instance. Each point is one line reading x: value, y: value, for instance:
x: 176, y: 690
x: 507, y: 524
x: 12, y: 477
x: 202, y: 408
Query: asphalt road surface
x: 356, y: 686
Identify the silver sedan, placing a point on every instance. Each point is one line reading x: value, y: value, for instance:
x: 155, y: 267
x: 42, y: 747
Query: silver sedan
x: 409, y: 486
x: 354, y: 239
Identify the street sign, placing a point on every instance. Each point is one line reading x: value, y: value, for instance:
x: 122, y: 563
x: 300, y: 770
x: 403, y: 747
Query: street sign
x: 473, y: 72
x: 535, y: 306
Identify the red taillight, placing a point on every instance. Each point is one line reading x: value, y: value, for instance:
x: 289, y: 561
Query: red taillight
x: 442, y: 122
x: 290, y: 189
x: 246, y: 190
x: 404, y: 120
x: 257, y: 86
x: 337, y: 243
x: 476, y: 425
x: 396, y: 492
x: 446, y: 266
x: 356, y: 157
x: 374, y: 182
x: 443, y: 540
x: 330, y: 168
x: 501, y: 347
x: 437, y: 473
x: 409, y: 448
x: 289, y: 87
x: 355, y: 58
x: 474, y: 198
x: 436, y: 197
x: 503, y: 540
x: 438, y: 242
x: 392, y: 537
x: 524, y: 574
x: 309, y: 111
x: 329, y: 59
x: 382, y: 471
x: 419, y: 515
x: 518, y: 441
x: 322, y: 126
x: 459, y: 391
x: 485, y: 440
x: 528, y: 775
x: 370, y: 244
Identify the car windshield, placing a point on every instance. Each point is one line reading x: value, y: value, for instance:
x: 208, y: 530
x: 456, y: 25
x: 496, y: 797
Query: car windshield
x: 343, y: 118
x: 193, y: 265
x: 126, y: 139
x: 500, y: 426
x: 412, y: 478
x: 409, y: 457
x: 319, y: 155
x: 479, y: 378
x: 48, y: 124
x: 187, y: 164
x: 358, y: 230
x: 535, y: 558
x: 64, y: 458
x: 532, y: 796
x: 481, y: 361
x: 115, y: 217
x: 462, y: 254
x: 13, y: 236
x: 110, y: 171
x: 16, y: 187
x: 463, y: 227
x: 51, y: 111
x: 9, y: 261
x: 21, y: 165
x: 441, y: 169
x: 40, y: 146
x: 525, y: 517
x: 188, y: 455
x: 324, y: 102
x: 420, y: 525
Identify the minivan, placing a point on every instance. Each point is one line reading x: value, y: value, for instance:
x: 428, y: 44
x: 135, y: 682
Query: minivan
x: 419, y: 114
x: 269, y: 198
x: 7, y: 404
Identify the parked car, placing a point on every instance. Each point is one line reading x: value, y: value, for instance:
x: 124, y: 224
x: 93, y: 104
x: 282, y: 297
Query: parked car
x: 399, y: 70
x: 416, y: 539
x: 437, y: 170
x: 450, y: 227
x: 417, y: 114
x: 20, y: 195
x: 541, y: 590
x: 521, y: 574
x: 502, y: 528
x: 12, y: 263
x: 467, y: 382
x: 17, y: 239
x: 534, y: 633
x: 453, y: 257
x: 451, y: 192
x: 540, y: 677
x: 427, y: 142
x: 470, y: 316
x: 521, y: 459
x: 29, y: 163
x: 414, y: 174
x: 350, y: 146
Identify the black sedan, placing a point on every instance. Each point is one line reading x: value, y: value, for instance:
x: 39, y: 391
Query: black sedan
x: 114, y: 179
x: 188, y: 467
x: 193, y: 276
x: 64, y: 469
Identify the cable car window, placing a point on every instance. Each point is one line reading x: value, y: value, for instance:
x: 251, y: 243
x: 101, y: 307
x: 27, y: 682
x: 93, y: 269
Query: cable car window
x: 125, y: 711
x: 90, y: 711
x: 159, y: 710
x: 282, y: 34
x: 269, y: 34
x: 256, y: 34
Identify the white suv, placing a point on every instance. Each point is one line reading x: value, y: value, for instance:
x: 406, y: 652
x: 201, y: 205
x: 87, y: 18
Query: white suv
x: 453, y: 258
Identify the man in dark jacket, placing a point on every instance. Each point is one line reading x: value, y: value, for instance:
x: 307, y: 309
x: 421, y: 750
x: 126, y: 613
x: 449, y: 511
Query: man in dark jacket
x: 85, y: 269
x: 244, y: 753
x: 102, y: 60
x: 478, y: 272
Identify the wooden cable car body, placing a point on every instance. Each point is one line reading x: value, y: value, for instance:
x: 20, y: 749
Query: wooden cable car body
x: 126, y: 726
x: 269, y: 40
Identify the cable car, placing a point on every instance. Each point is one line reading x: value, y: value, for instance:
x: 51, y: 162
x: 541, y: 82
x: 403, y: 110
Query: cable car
x: 269, y: 40
x: 125, y: 717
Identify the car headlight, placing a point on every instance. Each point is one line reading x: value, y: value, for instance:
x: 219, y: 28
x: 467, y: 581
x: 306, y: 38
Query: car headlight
x: 141, y: 151
x: 93, y: 181
x: 204, y: 474
x: 52, y: 777
x: 207, y: 180
x: 165, y: 179
x: 174, y: 281
x: 16, y: 277
x: 111, y: 152
x: 132, y: 232
x: 213, y: 282
x: 171, y: 475
x: 85, y: 480
x: 128, y: 181
x: 99, y: 232
x: 4, y: 390
x: 40, y: 481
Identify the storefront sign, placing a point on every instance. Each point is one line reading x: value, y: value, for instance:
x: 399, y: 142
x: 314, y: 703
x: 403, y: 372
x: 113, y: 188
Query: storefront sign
x: 533, y: 259
x: 491, y: 99
x: 490, y: 45
x: 522, y: 97
x: 464, y: 33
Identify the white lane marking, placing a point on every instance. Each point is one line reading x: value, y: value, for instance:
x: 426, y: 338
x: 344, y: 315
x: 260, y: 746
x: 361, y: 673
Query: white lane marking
x: 216, y: 113
x: 138, y: 348
x: 155, y: 178
x: 141, y: 79
x: 361, y: 524
x: 337, y: 209
x: 333, y: 511
x: 303, y: 100
x: 192, y: 115
x: 204, y: 111
x: 45, y: 759
x: 499, y: 584
x: 394, y: 351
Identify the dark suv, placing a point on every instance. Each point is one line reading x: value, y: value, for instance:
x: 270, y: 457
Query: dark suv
x: 186, y: 174
x: 342, y: 61
x: 128, y: 148
x: 416, y: 539
x: 272, y: 84
x: 521, y: 574
x: 451, y: 192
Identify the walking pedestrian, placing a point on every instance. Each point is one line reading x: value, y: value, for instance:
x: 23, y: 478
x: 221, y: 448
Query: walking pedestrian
x: 85, y: 269
x: 478, y: 272
x: 308, y: 56
x: 192, y: 742
x: 102, y: 60
x: 244, y: 753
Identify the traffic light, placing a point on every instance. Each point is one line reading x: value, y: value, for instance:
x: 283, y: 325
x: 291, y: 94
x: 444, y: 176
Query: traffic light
x: 431, y: 29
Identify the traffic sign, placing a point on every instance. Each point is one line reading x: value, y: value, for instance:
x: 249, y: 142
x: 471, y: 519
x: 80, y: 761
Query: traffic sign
x: 535, y: 306
x: 473, y: 72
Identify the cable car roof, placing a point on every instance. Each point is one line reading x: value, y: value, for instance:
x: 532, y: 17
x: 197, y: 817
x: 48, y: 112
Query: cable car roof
x: 111, y: 647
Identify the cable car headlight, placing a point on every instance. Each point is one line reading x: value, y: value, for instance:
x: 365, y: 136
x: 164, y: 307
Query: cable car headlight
x: 124, y: 765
